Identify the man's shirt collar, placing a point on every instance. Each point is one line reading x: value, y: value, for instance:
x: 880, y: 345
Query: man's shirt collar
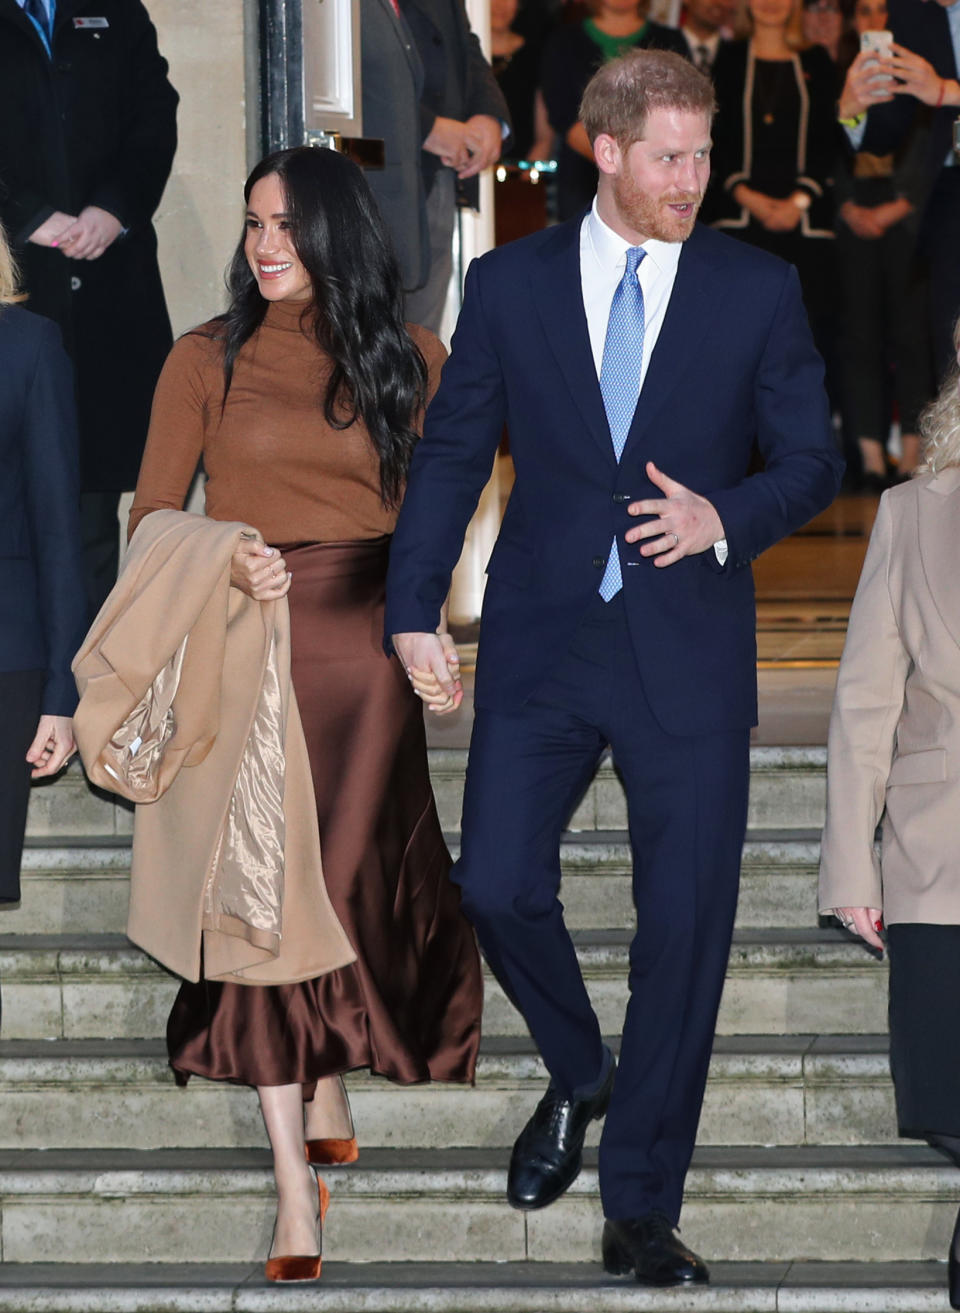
x: 610, y: 249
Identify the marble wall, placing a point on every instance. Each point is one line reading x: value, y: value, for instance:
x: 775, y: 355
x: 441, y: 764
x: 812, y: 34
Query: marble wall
x: 199, y: 218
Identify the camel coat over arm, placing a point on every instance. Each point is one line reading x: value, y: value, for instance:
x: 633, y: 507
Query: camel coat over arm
x: 186, y: 707
x: 894, y: 745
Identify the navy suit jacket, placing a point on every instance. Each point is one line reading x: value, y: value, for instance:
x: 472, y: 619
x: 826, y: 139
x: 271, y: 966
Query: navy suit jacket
x: 734, y: 364
x: 43, y: 609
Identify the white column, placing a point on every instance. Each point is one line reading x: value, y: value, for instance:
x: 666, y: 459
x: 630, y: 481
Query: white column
x: 475, y: 237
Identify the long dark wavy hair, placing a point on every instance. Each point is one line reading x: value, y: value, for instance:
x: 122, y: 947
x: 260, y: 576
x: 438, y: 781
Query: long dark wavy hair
x: 379, y: 375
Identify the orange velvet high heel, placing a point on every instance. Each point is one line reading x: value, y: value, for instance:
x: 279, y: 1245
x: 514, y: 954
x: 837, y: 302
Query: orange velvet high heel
x: 302, y: 1267
x: 332, y: 1152
x: 328, y: 1153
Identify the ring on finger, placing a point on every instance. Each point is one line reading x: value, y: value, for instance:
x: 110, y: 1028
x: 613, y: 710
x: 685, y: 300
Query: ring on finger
x: 676, y: 538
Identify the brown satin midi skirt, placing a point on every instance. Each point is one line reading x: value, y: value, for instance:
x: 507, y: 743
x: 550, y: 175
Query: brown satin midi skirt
x: 409, y: 1007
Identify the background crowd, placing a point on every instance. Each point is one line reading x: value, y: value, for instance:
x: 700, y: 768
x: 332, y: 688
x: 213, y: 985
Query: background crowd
x: 859, y: 220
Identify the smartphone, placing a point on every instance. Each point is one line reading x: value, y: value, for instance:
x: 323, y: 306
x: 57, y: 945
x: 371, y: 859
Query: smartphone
x: 878, y: 44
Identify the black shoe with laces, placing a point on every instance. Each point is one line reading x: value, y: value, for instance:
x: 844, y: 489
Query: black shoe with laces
x: 548, y: 1154
x: 651, y: 1249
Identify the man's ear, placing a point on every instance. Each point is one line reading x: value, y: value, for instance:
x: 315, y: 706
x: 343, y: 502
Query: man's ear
x: 607, y: 154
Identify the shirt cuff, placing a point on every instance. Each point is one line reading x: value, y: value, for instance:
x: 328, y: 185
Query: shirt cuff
x: 855, y: 134
x: 721, y: 550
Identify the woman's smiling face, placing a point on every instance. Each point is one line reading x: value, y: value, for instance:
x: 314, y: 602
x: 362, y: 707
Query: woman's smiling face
x: 269, y: 247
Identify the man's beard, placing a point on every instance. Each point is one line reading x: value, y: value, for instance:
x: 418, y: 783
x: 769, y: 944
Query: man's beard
x: 647, y: 214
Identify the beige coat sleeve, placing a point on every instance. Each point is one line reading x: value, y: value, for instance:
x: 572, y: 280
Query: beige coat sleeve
x: 866, y: 709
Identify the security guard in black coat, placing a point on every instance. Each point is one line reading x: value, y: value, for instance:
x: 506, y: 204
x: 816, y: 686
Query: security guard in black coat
x: 88, y: 133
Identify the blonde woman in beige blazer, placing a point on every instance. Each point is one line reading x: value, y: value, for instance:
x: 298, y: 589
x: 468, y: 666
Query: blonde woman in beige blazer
x: 894, y: 754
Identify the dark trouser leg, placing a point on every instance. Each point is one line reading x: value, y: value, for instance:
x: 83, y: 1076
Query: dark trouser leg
x: 100, y: 535
x: 906, y: 323
x: 861, y: 337
x: 525, y: 774
x: 20, y: 694
x: 688, y: 804
x: 425, y: 305
x: 939, y: 247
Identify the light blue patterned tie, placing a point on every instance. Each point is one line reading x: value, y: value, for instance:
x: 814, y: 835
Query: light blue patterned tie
x: 620, y: 381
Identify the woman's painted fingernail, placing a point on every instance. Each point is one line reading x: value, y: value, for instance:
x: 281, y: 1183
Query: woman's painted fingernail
x: 878, y: 925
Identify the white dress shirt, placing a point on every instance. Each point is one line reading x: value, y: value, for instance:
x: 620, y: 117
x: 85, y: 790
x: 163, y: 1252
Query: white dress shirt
x: 603, y: 258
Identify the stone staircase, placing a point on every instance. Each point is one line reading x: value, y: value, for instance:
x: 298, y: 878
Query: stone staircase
x: 119, y: 1191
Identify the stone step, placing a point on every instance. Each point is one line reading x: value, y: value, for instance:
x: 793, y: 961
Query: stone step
x: 787, y: 792
x: 778, y: 982
x: 100, y: 1094
x: 80, y: 886
x: 483, y: 1287
x: 887, y: 1204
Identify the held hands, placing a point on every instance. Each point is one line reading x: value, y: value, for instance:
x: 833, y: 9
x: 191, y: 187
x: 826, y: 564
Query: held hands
x: 84, y: 237
x: 52, y: 747
x: 685, y: 523
x: 466, y: 147
x: 259, y: 571
x: 90, y: 234
x: 862, y: 221
x: 775, y: 215
x: 433, y: 668
x: 50, y: 231
x: 782, y: 216
x: 484, y: 138
x: 871, y: 222
x: 862, y: 921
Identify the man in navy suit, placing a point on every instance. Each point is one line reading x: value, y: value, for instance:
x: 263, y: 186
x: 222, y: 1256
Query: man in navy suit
x: 637, y: 359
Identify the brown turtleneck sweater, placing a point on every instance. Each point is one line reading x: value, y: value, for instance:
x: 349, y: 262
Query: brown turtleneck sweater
x: 271, y: 459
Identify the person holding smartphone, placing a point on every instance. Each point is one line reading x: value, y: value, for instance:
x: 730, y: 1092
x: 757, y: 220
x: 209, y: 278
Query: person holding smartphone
x: 879, y: 117
x: 883, y: 327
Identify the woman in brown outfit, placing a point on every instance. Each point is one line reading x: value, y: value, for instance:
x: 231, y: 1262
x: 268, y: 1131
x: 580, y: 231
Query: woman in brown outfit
x: 303, y: 401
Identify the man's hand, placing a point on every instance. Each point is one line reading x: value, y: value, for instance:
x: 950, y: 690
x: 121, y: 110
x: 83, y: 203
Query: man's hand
x: 259, y: 571
x: 91, y: 233
x: 686, y: 523
x: 917, y: 77
x: 864, y: 86
x: 484, y: 138
x: 433, y: 668
x: 448, y: 141
x: 50, y: 231
x: 52, y: 747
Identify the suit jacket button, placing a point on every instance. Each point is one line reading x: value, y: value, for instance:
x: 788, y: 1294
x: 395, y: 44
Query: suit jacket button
x: 599, y: 562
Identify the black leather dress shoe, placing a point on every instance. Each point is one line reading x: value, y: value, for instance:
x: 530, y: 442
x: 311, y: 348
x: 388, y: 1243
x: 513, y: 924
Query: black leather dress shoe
x: 548, y: 1154
x: 651, y: 1249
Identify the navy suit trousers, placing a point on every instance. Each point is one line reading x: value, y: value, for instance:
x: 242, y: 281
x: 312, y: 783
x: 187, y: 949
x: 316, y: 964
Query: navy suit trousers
x: 687, y: 804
